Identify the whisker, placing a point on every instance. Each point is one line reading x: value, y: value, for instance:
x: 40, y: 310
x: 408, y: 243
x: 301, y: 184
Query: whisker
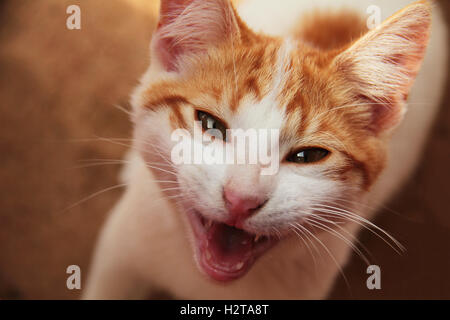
x: 339, y: 236
x: 363, y: 222
x: 119, y: 107
x: 92, y: 196
x: 331, y: 256
x: 336, y: 224
x: 299, y: 233
x: 336, y: 199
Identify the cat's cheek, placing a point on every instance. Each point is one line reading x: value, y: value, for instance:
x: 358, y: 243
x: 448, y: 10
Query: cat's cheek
x: 152, y: 141
x: 294, y: 199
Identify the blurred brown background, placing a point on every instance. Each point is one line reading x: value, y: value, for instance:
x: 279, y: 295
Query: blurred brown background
x: 58, y: 89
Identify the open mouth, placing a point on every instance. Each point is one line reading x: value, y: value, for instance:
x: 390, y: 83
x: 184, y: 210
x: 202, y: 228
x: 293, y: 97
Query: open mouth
x: 226, y: 253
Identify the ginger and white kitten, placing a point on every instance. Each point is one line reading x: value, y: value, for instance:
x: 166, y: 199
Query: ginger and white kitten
x: 335, y: 90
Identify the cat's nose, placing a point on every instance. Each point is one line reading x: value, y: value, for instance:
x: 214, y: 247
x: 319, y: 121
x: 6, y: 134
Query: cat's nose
x: 240, y: 206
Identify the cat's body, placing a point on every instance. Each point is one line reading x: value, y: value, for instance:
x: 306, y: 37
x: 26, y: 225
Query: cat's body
x: 144, y: 245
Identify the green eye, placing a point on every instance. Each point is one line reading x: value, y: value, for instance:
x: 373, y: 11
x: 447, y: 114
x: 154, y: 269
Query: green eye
x: 308, y: 155
x: 209, y: 122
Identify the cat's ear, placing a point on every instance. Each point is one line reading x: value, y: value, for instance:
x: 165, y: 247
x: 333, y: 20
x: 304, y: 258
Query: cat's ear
x: 189, y: 27
x: 382, y: 65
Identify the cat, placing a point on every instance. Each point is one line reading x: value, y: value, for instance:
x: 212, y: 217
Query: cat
x: 337, y: 92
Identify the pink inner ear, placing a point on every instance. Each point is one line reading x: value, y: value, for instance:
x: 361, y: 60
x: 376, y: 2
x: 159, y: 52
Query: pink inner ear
x: 386, y: 113
x: 167, y: 53
x: 191, y: 27
x: 170, y: 9
x: 165, y: 46
x: 382, y: 65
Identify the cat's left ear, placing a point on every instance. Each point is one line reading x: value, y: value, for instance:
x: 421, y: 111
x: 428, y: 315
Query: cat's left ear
x: 382, y: 65
x: 190, y: 27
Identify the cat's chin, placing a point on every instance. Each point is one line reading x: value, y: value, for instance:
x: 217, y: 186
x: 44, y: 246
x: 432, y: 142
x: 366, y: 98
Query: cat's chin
x: 223, y: 252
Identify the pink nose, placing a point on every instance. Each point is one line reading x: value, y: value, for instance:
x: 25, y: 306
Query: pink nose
x: 240, y: 206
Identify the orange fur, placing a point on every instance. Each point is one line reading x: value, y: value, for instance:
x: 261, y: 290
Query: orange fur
x: 331, y: 30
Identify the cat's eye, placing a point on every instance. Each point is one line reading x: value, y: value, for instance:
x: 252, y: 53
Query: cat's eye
x: 308, y: 155
x: 210, y: 122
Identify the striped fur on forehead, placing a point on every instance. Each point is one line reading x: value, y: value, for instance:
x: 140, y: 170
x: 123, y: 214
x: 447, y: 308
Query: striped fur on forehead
x: 308, y: 92
x: 222, y: 77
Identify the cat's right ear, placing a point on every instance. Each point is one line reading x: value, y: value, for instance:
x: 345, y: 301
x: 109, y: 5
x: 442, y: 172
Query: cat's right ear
x: 190, y: 27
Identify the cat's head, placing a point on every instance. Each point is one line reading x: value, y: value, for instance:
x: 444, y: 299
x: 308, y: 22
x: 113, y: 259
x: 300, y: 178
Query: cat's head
x: 334, y: 111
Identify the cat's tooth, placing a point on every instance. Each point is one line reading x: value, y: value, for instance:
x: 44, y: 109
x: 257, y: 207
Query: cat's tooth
x: 208, y: 255
x: 257, y: 238
x: 239, y: 266
x: 208, y: 224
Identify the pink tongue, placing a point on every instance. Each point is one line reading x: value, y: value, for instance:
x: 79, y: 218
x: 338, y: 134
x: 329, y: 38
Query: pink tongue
x: 229, y: 246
